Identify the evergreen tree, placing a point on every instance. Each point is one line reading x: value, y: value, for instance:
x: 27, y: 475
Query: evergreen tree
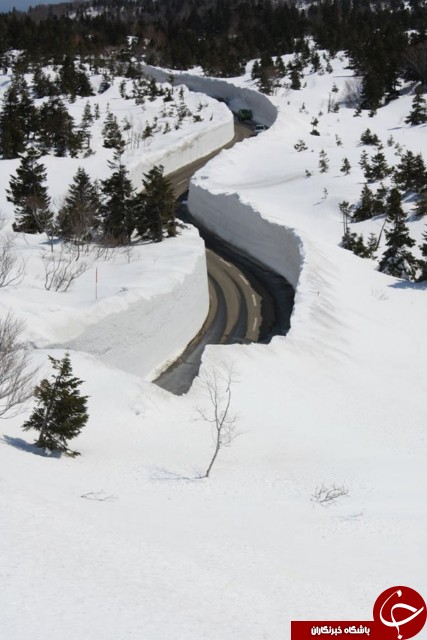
x: 378, y: 168
x: 295, y: 79
x: 29, y: 195
x: 323, y: 161
x: 411, y: 174
x: 369, y: 138
x: 154, y: 209
x: 345, y: 167
x: 418, y: 114
x: 57, y: 129
x: 18, y: 119
x: 79, y: 217
x: 364, y: 210
x: 397, y: 260
x: 112, y: 134
x: 420, y: 208
x: 378, y: 203
x: 73, y: 82
x: 42, y: 85
x: 87, y: 120
x: 423, y: 262
x: 117, y: 206
x: 61, y: 412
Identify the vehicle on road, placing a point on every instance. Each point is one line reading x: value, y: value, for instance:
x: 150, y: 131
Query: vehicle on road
x: 259, y: 128
x: 244, y: 114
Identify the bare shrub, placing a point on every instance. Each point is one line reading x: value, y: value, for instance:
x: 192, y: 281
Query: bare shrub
x: 61, y: 270
x: 352, y: 94
x: 12, y: 266
x: 328, y: 495
x: 218, y: 385
x: 16, y: 377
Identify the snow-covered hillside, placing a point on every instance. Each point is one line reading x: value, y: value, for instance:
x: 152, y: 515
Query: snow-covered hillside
x: 126, y: 542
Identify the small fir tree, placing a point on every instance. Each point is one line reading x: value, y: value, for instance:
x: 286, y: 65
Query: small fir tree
x: 369, y: 138
x: 61, y: 411
x: 397, y: 260
x: 420, y: 208
x: 345, y: 167
x: 29, y: 195
x: 154, y: 209
x: 112, y: 134
x: 117, y: 206
x: 378, y: 168
x: 423, y: 262
x: 364, y: 210
x: 418, y: 114
x: 411, y: 174
x: 323, y: 161
x: 79, y: 217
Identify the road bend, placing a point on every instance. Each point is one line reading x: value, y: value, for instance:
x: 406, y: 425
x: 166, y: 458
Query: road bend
x: 248, y: 302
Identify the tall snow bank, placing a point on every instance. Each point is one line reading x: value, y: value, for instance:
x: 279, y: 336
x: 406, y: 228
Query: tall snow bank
x: 264, y: 111
x: 144, y: 337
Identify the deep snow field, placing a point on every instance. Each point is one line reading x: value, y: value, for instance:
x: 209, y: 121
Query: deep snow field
x: 126, y: 542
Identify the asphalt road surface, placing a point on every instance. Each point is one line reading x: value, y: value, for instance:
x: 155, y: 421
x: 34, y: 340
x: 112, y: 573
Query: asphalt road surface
x: 248, y: 302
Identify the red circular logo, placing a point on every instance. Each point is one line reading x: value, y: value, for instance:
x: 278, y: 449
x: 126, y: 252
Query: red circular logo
x: 401, y: 611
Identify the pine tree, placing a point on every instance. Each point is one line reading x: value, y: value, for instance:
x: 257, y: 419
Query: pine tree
x: 57, y: 129
x: 154, y: 209
x: 61, y: 412
x: 345, y: 167
x: 418, y: 114
x: 378, y: 169
x: 87, y: 119
x: 295, y: 79
x: 79, y: 217
x: 397, y: 260
x: 112, y: 134
x: 411, y: 174
x: 323, y: 161
x: 29, y: 195
x: 420, y: 208
x: 117, y: 206
x: 423, y: 262
x: 365, y: 209
x: 18, y: 119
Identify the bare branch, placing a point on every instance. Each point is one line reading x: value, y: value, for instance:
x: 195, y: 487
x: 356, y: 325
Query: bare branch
x: 12, y: 266
x: 218, y: 386
x: 327, y: 495
x: 16, y: 377
x: 61, y: 270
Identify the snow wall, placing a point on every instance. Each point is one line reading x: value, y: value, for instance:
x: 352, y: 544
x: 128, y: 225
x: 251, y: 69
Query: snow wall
x: 185, y: 151
x: 236, y: 98
x: 153, y: 331
x: 150, y: 333
x: 276, y: 246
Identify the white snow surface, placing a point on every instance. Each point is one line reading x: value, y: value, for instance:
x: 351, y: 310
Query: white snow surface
x: 161, y: 554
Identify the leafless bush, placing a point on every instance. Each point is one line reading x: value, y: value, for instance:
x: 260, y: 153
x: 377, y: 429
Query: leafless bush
x: 61, y: 270
x: 327, y: 495
x: 16, y: 377
x: 352, y: 94
x: 218, y: 385
x: 12, y: 266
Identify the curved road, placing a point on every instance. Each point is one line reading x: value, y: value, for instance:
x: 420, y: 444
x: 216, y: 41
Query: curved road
x: 248, y: 303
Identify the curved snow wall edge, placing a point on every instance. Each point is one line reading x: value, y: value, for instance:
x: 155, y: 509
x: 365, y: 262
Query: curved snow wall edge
x: 190, y: 149
x: 262, y: 108
x: 275, y: 245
